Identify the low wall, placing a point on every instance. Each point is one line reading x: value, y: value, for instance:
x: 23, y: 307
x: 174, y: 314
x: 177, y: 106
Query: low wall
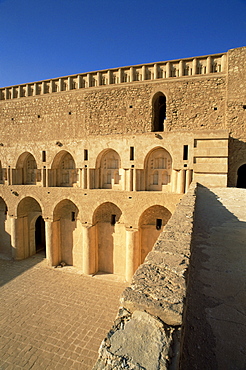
x: 147, y: 331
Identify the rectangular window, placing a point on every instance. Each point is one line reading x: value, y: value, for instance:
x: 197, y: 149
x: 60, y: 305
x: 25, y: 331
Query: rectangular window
x: 131, y: 153
x: 43, y: 156
x: 185, y: 152
x: 73, y: 216
x: 158, y: 224
x: 86, y: 154
x: 113, y: 220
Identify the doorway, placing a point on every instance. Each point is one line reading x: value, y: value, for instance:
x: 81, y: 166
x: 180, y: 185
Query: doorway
x: 40, y: 234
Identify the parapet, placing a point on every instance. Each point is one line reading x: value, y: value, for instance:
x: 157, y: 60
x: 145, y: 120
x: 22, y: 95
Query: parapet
x: 188, y: 67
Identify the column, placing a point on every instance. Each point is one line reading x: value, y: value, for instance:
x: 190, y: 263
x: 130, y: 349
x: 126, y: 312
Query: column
x: 134, y: 180
x: 174, y: 181
x: 60, y: 84
x: 49, y: 240
x: 155, y: 71
x: 88, y: 178
x: 9, y: 176
x: 131, y: 74
x: 181, y: 68
x: 188, y: 179
x: 79, y: 82
x: 14, y: 237
x: 88, y: 80
x: 131, y: 254
x: 42, y: 88
x: 34, y: 90
x: 120, y: 75
x: 143, y: 73
x: 44, y: 177
x: 69, y: 83
x: 194, y: 65
x: 51, y: 87
x: 109, y: 77
x: 181, y: 181
x: 168, y: 69
x: 98, y: 79
x: 209, y: 64
x: 223, y: 63
x: 86, y: 249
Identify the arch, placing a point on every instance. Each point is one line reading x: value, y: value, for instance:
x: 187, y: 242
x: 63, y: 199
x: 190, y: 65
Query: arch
x: 67, y: 246
x: 28, y: 211
x: 158, y: 169
x: 159, y: 111
x: 110, y: 239
x: 108, y: 170
x: 151, y: 224
x: 63, y: 170
x: 26, y: 170
x: 5, y: 230
x: 241, y: 176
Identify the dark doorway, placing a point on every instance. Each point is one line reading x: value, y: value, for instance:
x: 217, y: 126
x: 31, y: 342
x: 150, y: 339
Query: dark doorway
x: 241, y: 177
x: 159, y: 112
x: 40, y: 234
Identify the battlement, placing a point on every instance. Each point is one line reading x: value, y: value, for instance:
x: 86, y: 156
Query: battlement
x: 188, y: 67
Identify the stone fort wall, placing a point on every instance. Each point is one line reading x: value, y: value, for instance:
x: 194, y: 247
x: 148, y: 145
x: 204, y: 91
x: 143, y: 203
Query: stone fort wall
x: 124, y: 142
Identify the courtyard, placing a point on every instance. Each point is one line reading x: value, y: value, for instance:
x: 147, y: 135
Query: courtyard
x: 53, y: 318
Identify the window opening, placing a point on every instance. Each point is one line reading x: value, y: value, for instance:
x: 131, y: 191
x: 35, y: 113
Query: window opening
x: 159, y: 113
x: 131, y: 153
x: 43, y: 156
x: 185, y: 152
x: 113, y: 220
x: 73, y: 216
x: 86, y: 154
x: 158, y: 224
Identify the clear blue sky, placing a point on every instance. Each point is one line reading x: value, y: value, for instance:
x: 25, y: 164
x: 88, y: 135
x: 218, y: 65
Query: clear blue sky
x: 41, y: 39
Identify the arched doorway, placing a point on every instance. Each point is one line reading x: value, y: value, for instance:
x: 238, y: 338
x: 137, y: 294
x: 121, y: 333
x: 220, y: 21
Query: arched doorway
x: 158, y: 168
x: 159, y: 111
x: 5, y: 231
x: 241, y: 177
x: 26, y: 170
x: 108, y: 165
x: 110, y: 239
x: 40, y: 234
x: 67, y: 243
x: 63, y: 170
x: 151, y: 224
x: 29, y: 213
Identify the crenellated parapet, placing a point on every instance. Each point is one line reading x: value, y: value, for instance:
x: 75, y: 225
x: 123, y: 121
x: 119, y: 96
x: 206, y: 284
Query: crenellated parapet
x: 189, y: 67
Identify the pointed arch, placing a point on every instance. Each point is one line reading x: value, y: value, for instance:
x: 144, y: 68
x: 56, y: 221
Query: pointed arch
x: 26, y: 170
x: 159, y: 111
x: 151, y: 224
x: 108, y: 170
x: 110, y: 239
x: 63, y: 170
x: 66, y: 230
x: 158, y: 168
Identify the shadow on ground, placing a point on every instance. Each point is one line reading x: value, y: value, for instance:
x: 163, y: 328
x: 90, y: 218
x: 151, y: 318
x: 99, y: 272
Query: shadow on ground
x: 215, y: 329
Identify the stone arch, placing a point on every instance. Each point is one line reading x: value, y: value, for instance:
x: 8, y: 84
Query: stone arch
x: 5, y: 230
x: 241, y: 176
x: 26, y: 170
x: 108, y: 170
x: 63, y: 170
x: 158, y: 169
x: 159, y: 111
x: 151, y: 224
x: 67, y: 234
x: 110, y: 239
x: 28, y: 211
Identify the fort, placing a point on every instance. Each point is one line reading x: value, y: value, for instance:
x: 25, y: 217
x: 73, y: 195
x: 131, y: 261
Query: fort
x: 93, y: 165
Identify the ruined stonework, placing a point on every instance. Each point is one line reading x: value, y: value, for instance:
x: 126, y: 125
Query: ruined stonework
x: 146, y: 333
x: 93, y: 165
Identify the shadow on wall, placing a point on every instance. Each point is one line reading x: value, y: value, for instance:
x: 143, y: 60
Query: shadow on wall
x: 216, y: 286
x: 236, y: 159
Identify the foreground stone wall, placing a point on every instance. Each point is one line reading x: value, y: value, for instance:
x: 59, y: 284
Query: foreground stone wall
x: 146, y: 334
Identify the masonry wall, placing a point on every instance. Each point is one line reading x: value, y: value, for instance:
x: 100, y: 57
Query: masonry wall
x: 146, y: 333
